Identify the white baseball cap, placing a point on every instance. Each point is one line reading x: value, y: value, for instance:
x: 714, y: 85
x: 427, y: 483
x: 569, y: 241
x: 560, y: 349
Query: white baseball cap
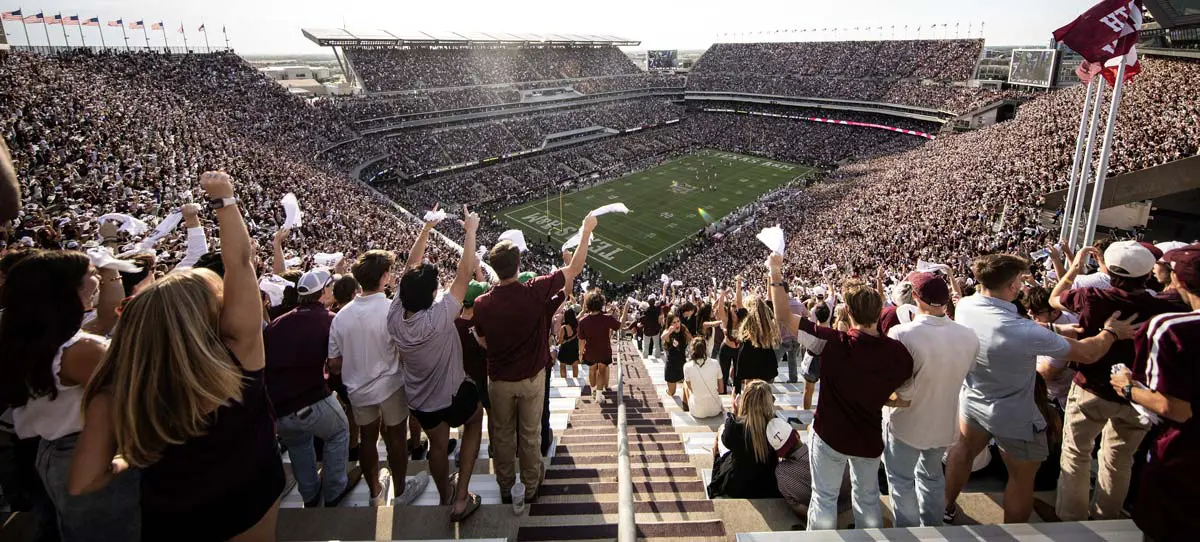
x: 781, y: 436
x: 1169, y: 246
x: 314, y: 281
x: 1129, y: 259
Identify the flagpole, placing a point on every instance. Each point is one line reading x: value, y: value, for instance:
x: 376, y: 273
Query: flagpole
x: 80, y: 29
x: 207, y: 47
x: 124, y: 35
x: 1105, y: 154
x: 147, y: 36
x: 1085, y: 170
x: 63, y: 22
x: 163, y: 28
x: 226, y: 34
x: 183, y: 30
x: 1068, y: 205
x: 46, y: 27
x: 26, y: 25
x: 103, y: 44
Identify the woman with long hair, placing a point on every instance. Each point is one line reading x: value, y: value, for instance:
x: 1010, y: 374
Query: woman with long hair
x: 729, y: 314
x: 747, y: 471
x: 45, y: 362
x: 700, y: 378
x: 180, y: 395
x: 759, y: 337
x: 675, y: 342
x: 568, y: 343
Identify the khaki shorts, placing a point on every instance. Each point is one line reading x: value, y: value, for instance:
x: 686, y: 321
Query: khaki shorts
x: 393, y: 410
x: 1021, y: 450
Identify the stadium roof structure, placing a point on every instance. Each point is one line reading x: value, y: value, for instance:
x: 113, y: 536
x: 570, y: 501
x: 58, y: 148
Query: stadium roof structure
x: 341, y: 37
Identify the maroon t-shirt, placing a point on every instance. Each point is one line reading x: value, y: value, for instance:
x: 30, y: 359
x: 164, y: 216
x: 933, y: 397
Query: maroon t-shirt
x: 514, y: 321
x: 1094, y: 306
x: 474, y: 356
x: 297, y: 345
x: 859, y: 372
x: 1168, y: 361
x: 595, y: 329
x: 888, y: 319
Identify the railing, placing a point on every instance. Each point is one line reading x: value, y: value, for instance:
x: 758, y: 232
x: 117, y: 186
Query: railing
x: 626, y: 525
x: 173, y: 49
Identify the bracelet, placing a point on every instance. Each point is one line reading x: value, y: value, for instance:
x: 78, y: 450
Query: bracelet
x: 1114, y: 333
x: 780, y: 283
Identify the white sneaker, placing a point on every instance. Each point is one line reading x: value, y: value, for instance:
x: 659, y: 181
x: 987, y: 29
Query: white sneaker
x: 385, y: 492
x: 413, y: 488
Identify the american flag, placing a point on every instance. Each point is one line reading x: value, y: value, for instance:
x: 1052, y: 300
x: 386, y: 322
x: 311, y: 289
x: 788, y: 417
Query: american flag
x: 36, y: 18
x: 118, y: 22
x: 180, y: 28
x: 156, y: 26
x: 71, y: 21
x: 94, y: 21
x: 13, y: 15
x: 202, y: 28
x: 139, y: 25
x: 57, y: 19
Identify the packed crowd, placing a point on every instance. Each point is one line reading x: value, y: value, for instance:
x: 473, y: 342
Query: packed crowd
x: 916, y: 72
x: 424, y: 67
x: 416, y: 152
x: 127, y: 133
x: 378, y: 110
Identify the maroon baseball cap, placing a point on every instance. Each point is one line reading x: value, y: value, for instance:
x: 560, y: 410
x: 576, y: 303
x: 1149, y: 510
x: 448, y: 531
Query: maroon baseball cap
x: 1185, y: 263
x: 930, y: 288
x: 1157, y: 252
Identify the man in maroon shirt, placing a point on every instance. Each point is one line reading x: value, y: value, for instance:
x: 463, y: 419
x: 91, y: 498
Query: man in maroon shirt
x: 860, y: 372
x: 513, y: 324
x: 1167, y: 376
x: 1092, y: 407
x: 296, y: 347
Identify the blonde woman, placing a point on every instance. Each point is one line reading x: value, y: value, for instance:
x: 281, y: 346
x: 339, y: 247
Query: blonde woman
x: 760, y: 337
x: 747, y: 470
x: 180, y: 395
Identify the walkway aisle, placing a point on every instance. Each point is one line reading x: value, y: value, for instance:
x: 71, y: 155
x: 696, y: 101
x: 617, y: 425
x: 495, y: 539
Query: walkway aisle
x: 579, y: 497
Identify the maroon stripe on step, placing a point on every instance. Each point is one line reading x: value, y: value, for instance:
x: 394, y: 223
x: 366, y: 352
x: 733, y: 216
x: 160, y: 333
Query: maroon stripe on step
x: 611, y: 448
x: 611, y: 473
x: 643, y: 507
x: 611, y: 437
x: 630, y: 422
x: 610, y: 488
x: 689, y: 529
x: 609, y: 460
x: 612, y: 430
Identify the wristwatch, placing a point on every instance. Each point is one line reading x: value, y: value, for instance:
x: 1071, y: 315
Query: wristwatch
x: 780, y: 283
x: 219, y: 203
x: 1127, y: 391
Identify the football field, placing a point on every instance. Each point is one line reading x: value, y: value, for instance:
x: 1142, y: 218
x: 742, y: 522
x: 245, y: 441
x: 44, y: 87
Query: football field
x: 664, y: 203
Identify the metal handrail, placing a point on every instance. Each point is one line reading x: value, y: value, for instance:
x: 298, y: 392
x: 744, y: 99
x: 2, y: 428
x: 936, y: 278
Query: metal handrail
x: 626, y: 525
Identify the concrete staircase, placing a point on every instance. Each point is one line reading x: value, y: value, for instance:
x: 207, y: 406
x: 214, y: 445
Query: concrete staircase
x: 579, y: 497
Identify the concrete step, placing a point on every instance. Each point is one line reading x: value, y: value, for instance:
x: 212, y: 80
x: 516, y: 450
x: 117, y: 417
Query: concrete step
x: 634, y: 459
x: 611, y: 449
x: 558, y: 474
x: 605, y: 508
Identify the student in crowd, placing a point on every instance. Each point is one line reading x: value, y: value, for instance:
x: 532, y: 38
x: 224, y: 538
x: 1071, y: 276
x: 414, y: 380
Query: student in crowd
x: 747, y: 470
x: 675, y: 341
x: 361, y: 350
x: 1093, y: 408
x: 181, y: 396
x: 860, y: 372
x: 730, y: 315
x: 439, y: 392
x: 297, y: 347
x: 568, y: 344
x: 759, y: 336
x: 793, y: 473
x: 652, y: 326
x: 788, y: 346
x: 701, y: 381
x: 512, y: 323
x: 1163, y: 273
x: 474, y: 356
x: 916, y: 437
x: 46, y: 360
x: 1057, y: 373
x: 997, y: 401
x: 1164, y: 381
x: 595, y: 340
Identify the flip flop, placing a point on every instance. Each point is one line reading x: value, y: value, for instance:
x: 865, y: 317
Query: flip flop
x: 473, y: 502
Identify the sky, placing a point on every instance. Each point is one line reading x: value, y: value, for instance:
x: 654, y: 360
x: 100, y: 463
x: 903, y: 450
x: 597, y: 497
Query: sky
x: 273, y: 26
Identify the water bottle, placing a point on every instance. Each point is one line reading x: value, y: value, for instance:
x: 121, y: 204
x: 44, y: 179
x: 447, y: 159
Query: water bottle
x: 518, y: 498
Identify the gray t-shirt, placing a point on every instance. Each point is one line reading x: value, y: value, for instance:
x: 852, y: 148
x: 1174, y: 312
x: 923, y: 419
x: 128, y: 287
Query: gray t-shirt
x: 432, y: 352
x: 998, y: 392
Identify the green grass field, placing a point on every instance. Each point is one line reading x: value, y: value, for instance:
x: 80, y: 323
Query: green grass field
x: 664, y: 202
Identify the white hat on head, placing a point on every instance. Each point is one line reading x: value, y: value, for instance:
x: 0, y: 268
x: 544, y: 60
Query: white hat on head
x: 781, y: 436
x: 314, y: 281
x: 1169, y: 246
x: 1129, y: 259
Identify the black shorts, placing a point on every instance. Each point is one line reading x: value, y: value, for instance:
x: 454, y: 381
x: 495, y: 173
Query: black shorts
x: 461, y: 408
x: 590, y: 363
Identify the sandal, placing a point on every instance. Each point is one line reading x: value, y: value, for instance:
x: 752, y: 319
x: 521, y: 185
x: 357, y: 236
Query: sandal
x: 473, y: 502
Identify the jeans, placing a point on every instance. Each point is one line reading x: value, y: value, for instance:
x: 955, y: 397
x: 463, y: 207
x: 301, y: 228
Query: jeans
x: 914, y: 476
x: 112, y: 513
x: 651, y: 345
x: 828, y: 466
x: 792, y: 349
x: 1088, y: 416
x: 327, y: 421
x: 517, y: 406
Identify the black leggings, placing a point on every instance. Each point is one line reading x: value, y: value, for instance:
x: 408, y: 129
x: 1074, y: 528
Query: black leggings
x: 728, y: 353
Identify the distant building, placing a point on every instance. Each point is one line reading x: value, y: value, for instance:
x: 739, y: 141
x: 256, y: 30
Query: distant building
x: 293, y: 73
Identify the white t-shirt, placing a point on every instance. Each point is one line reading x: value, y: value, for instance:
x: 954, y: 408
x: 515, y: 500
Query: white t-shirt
x: 943, y: 353
x: 1060, y: 386
x: 704, y: 401
x: 370, y: 366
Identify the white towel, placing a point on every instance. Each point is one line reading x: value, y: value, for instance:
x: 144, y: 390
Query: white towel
x: 773, y: 238
x: 102, y: 258
x: 517, y: 237
x: 128, y: 224
x: 166, y: 226
x: 291, y: 209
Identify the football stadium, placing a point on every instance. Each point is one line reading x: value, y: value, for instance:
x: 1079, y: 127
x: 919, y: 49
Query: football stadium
x: 807, y: 277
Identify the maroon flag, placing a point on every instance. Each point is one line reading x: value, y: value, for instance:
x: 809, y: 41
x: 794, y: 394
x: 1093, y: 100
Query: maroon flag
x: 1132, y: 67
x: 1106, y: 31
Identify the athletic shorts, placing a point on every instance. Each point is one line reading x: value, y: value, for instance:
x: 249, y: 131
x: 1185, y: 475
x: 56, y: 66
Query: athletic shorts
x: 462, y: 407
x: 1021, y: 450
